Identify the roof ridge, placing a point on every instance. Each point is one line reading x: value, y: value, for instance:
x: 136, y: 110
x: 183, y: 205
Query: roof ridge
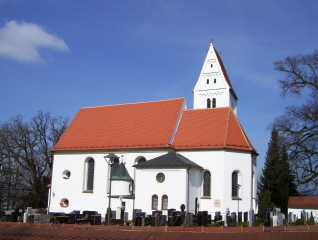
x: 134, y: 103
x: 200, y: 109
x: 244, y: 133
x: 227, y: 127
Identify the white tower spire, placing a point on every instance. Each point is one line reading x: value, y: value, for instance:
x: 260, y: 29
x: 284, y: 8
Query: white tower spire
x: 214, y: 88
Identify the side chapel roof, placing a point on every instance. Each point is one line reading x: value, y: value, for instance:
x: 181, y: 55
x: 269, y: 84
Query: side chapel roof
x: 121, y: 173
x: 171, y: 159
x: 159, y: 124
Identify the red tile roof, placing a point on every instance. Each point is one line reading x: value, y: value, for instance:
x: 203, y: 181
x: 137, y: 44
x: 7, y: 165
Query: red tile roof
x: 211, y: 128
x: 303, y: 202
x: 136, y: 125
x: 152, y: 125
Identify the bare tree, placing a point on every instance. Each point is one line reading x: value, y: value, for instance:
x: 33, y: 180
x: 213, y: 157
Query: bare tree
x: 299, y: 125
x: 26, y: 157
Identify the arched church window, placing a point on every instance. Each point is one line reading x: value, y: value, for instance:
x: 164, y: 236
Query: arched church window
x: 114, y: 166
x: 164, y: 202
x: 208, y: 103
x: 235, y: 184
x: 213, y: 103
x: 154, y: 202
x: 141, y: 160
x: 207, y: 184
x: 89, y: 174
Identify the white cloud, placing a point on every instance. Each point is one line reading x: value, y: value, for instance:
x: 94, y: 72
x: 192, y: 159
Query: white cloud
x: 22, y: 41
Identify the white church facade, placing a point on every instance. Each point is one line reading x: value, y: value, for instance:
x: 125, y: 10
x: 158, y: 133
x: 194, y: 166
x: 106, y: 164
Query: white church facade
x: 168, y: 155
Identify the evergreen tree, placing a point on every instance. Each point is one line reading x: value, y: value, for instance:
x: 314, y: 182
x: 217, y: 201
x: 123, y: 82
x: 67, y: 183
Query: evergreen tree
x: 277, y: 182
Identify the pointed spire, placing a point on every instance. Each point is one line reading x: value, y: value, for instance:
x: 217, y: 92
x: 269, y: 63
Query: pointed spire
x: 214, y: 85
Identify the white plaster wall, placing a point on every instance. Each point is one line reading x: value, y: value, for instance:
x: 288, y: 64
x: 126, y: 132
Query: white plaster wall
x: 174, y: 187
x: 220, y: 163
x: 213, y: 162
x: 195, y: 182
x: 72, y: 188
x: 238, y: 161
x: 120, y: 187
x: 221, y: 95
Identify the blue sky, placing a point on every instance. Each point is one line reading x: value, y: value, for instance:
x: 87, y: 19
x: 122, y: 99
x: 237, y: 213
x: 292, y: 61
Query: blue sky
x: 59, y: 56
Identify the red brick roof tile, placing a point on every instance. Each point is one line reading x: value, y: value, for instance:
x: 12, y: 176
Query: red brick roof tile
x: 153, y: 125
x: 136, y: 125
x: 211, y: 128
x: 303, y: 202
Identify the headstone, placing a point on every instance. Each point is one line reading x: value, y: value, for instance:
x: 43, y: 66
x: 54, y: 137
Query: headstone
x: 275, y: 221
x: 170, y: 211
x: 245, y: 216
x: 118, y: 213
x: 202, y: 218
x: 136, y: 211
x: 217, y: 216
x: 239, y: 217
x: 227, y: 212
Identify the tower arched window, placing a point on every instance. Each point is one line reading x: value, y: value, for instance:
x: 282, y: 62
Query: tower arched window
x: 164, y: 202
x: 154, y: 202
x: 207, y: 184
x: 89, y: 174
x: 213, y: 103
x: 214, y: 80
x: 115, y: 166
x: 208, y: 103
x: 207, y: 81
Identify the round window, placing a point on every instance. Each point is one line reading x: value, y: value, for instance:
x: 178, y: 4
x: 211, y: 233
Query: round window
x: 64, y: 203
x: 160, y: 177
x: 66, y: 174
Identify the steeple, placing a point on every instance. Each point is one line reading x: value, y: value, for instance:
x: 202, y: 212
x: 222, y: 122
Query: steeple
x: 213, y: 88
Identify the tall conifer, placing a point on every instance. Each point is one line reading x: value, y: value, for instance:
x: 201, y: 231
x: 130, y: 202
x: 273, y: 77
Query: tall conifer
x: 276, y: 183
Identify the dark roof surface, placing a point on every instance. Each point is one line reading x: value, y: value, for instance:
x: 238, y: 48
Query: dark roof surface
x: 168, y: 160
x: 121, y: 173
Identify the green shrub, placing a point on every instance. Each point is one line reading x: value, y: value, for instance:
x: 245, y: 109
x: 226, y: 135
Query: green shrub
x: 244, y: 224
x: 300, y: 222
x: 257, y: 223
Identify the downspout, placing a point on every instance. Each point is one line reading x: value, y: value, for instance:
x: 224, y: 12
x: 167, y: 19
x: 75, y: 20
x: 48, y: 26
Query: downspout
x: 133, y: 192
x: 188, y: 191
x: 251, y: 212
x: 50, y: 189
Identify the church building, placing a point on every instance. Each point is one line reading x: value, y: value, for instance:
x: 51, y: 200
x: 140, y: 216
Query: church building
x: 166, y: 154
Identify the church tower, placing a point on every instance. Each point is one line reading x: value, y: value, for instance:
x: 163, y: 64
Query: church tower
x: 213, y: 88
